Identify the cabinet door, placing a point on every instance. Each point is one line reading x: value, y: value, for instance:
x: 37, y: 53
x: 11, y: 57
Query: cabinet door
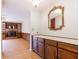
x: 41, y: 49
x: 19, y: 34
x: 19, y: 25
x: 3, y: 35
x: 50, y: 52
x: 63, y: 54
x: 35, y: 44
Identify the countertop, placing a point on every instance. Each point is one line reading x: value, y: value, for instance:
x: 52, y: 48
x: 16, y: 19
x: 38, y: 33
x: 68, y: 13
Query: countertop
x: 66, y: 40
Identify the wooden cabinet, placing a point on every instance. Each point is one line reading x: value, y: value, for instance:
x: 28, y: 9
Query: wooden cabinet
x: 3, y: 35
x: 50, y: 52
x: 38, y: 46
x: 41, y: 47
x: 35, y: 44
x: 67, y: 51
x: 11, y: 30
x: 60, y: 50
x: 50, y: 49
x: 64, y: 54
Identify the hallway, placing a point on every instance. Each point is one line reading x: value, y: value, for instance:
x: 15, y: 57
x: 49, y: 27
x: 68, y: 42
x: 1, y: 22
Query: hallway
x: 17, y: 49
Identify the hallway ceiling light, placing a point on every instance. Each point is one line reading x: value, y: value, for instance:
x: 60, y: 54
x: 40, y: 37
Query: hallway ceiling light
x: 35, y: 2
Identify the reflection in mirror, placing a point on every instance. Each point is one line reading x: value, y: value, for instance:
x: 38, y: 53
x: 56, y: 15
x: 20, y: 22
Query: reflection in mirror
x: 56, y: 18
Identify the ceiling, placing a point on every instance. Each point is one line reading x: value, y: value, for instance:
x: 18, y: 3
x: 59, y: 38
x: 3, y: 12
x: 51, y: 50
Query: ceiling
x: 21, y: 8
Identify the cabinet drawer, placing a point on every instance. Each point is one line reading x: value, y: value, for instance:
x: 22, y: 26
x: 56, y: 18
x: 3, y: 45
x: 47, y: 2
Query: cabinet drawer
x: 70, y: 47
x: 51, y: 42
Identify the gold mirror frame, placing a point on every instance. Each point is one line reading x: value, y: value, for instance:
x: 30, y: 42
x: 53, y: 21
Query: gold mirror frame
x: 56, y: 7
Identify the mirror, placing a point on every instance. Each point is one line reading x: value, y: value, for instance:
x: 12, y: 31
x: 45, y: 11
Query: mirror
x: 56, y: 18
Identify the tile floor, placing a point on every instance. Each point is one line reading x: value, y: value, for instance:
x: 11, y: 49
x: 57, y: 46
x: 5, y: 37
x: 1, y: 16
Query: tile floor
x: 17, y: 49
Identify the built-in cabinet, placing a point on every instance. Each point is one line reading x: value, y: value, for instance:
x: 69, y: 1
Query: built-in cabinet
x: 41, y: 47
x: 50, y: 52
x: 38, y: 46
x: 50, y: 49
x: 35, y: 44
x: 11, y: 30
x: 64, y: 54
x: 67, y: 51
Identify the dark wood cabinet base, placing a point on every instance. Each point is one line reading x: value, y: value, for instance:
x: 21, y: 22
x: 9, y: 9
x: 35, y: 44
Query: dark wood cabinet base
x: 50, y: 49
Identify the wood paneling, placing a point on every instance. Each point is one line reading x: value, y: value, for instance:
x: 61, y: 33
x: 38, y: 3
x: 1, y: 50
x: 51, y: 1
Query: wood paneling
x: 26, y: 36
x: 19, y: 35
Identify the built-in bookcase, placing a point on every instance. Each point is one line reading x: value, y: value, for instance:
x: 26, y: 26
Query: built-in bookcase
x: 10, y: 29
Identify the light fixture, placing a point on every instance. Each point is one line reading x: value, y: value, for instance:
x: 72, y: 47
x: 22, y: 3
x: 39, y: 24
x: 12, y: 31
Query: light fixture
x: 35, y: 2
x: 13, y: 27
x: 9, y: 27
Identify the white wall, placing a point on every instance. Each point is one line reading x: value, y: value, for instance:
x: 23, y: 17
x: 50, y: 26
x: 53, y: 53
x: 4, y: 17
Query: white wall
x: 34, y: 24
x: 8, y: 19
x: 24, y: 20
x: 35, y: 17
x: 26, y: 25
x: 70, y: 18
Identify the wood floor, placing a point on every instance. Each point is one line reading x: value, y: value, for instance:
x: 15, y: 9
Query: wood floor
x: 17, y: 49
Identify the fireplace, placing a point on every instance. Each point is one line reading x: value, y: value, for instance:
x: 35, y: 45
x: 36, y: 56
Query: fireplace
x: 11, y: 33
x: 11, y: 30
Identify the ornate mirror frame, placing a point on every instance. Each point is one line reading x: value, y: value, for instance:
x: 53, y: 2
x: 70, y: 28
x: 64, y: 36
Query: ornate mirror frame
x: 56, y: 7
